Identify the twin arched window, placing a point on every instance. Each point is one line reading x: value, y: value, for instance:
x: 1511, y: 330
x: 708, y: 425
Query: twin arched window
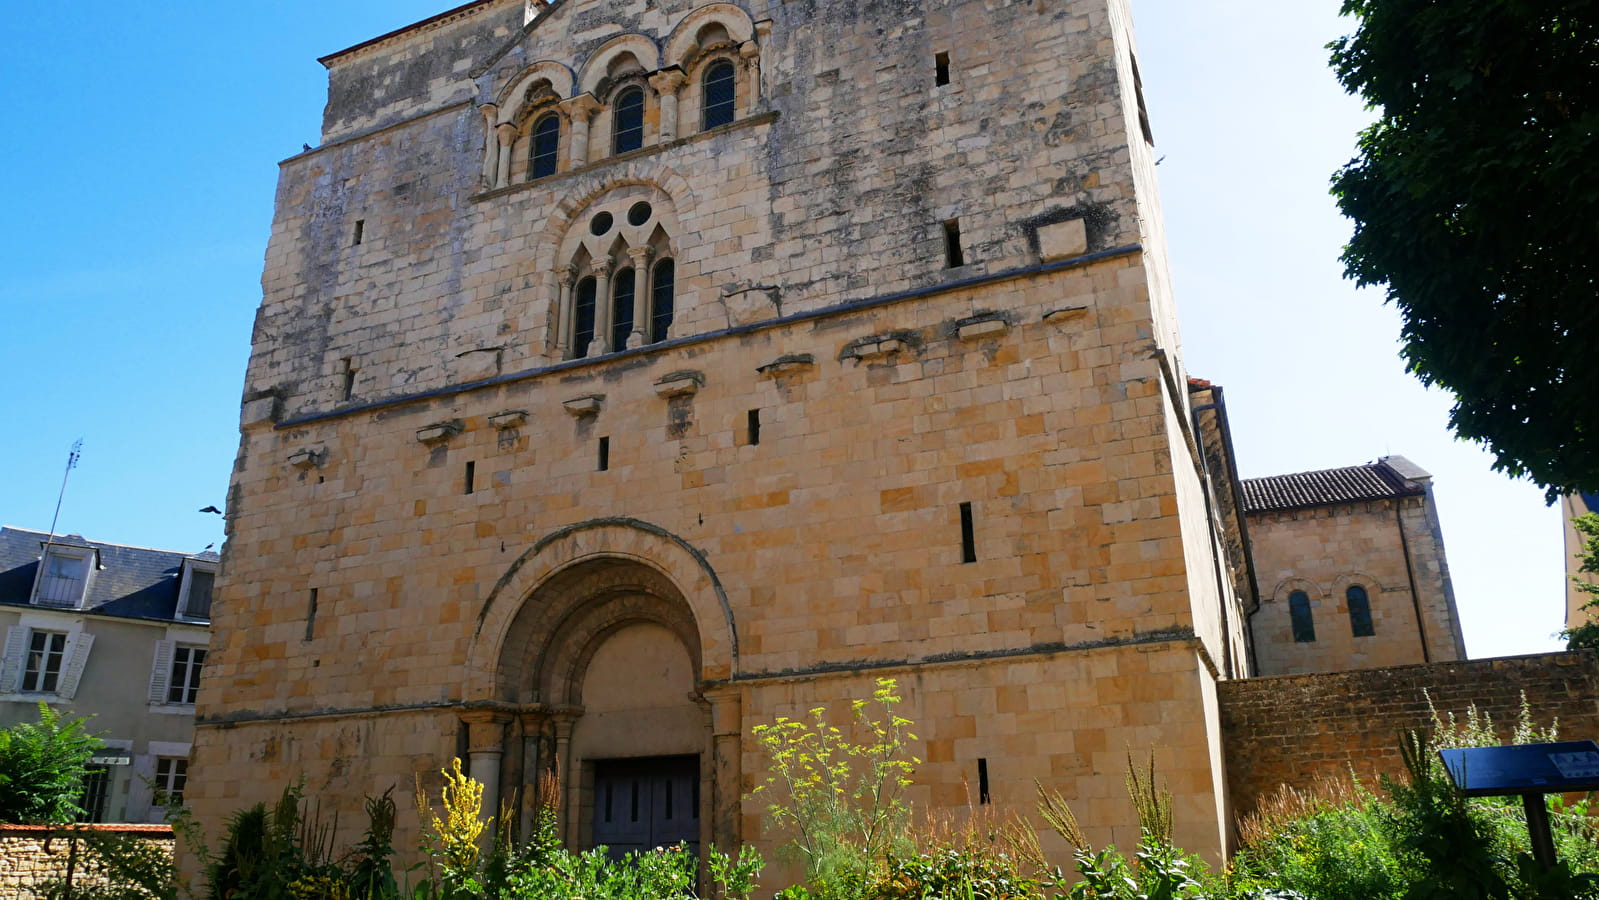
x: 718, y: 104
x: 1304, y: 625
x: 545, y: 151
x: 628, y: 127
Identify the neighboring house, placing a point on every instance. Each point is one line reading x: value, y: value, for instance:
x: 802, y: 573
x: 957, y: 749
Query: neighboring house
x: 115, y: 633
x: 1351, y: 570
x: 1574, y: 505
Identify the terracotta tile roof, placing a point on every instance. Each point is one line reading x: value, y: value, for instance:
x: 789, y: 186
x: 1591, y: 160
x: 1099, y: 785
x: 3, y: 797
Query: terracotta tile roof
x: 1327, y: 487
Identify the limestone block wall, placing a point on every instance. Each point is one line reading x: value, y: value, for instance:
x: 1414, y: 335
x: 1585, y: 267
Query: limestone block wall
x: 33, y: 856
x: 1384, y: 546
x: 1292, y: 729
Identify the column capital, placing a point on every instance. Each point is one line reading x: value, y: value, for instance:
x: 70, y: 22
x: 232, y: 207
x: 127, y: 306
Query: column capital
x: 489, y: 111
x: 506, y: 132
x: 667, y: 81
x: 639, y: 255
x: 582, y: 107
x: 601, y: 267
x: 749, y: 49
x: 568, y: 274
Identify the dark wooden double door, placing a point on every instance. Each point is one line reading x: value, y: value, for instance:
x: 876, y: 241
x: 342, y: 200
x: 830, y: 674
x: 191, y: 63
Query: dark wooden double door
x: 641, y: 804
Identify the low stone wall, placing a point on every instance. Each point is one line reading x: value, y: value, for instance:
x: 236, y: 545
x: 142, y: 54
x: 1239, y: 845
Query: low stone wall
x: 1291, y: 729
x: 34, y: 855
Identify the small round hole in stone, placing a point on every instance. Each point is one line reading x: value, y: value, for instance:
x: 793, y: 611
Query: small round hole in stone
x: 601, y: 224
x: 640, y: 213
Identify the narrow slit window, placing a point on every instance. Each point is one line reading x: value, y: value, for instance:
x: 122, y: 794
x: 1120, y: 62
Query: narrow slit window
x: 661, y: 297
x: 605, y: 454
x: 754, y: 425
x: 719, y: 106
x: 941, y: 67
x: 1360, y: 623
x: 546, y: 149
x: 622, y: 306
x: 360, y: 231
x: 983, y: 797
x: 954, y: 257
x: 1143, y: 111
x: 1303, y: 623
x: 346, y: 379
x: 583, y: 317
x: 629, y: 121
x: 310, y: 615
x: 471, y: 477
x: 968, y: 535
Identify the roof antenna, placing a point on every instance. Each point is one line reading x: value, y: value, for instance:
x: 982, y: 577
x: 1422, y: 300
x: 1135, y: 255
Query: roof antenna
x: 72, y: 463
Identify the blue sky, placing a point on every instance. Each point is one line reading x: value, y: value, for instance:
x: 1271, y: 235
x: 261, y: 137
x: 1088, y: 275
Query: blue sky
x: 139, y: 173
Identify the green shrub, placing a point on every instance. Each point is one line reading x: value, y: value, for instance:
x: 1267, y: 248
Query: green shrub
x: 42, y: 765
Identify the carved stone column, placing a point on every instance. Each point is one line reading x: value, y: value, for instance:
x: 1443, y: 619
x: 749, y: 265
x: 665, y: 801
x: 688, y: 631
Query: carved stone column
x: 665, y: 83
x: 491, y: 149
x: 571, y: 780
x: 751, y: 52
x: 580, y: 110
x: 534, y: 764
x: 643, y: 304
x: 507, y: 136
x: 485, y: 742
x: 602, y: 309
x: 565, y: 312
x: 727, y: 810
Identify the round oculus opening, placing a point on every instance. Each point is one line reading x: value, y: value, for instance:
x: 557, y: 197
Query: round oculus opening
x: 639, y: 213
x: 601, y: 224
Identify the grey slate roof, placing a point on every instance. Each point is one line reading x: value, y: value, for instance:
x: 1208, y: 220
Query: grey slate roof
x: 133, y: 582
x: 1328, y: 487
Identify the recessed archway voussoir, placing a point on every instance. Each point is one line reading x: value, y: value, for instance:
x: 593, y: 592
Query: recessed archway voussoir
x: 621, y: 539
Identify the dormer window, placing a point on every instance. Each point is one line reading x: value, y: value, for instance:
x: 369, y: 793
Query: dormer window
x: 64, y: 574
x: 194, y: 597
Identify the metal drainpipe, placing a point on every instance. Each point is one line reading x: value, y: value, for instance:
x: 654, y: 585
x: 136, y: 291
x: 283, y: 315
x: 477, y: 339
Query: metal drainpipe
x: 1410, y: 573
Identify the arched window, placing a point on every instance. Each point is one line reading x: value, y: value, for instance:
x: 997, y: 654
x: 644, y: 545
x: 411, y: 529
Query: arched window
x: 1299, y: 611
x: 583, y: 317
x: 628, y: 121
x: 661, y: 297
x: 1359, y: 611
x: 622, y: 320
x: 717, y: 107
x: 546, y: 147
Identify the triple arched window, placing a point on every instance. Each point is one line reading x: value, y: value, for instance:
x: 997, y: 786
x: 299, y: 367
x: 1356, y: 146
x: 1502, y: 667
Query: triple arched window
x: 608, y: 311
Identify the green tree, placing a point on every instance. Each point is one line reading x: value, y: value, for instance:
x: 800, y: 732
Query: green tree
x: 1586, y: 635
x: 1476, y: 204
x: 42, y: 765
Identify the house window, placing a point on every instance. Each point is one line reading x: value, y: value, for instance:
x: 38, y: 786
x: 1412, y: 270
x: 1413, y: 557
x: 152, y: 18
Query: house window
x: 661, y: 299
x: 1359, y: 611
x: 183, y: 685
x: 64, y: 579
x: 46, y: 652
x: 195, y: 600
x: 622, y: 309
x: 629, y: 121
x: 718, y: 106
x: 96, y: 791
x: 546, y: 147
x: 171, y: 775
x: 1299, y: 611
x: 583, y: 317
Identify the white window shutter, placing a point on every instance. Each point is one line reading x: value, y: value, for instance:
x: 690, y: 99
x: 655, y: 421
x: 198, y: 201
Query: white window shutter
x: 77, y: 658
x: 11, y: 663
x: 161, y: 672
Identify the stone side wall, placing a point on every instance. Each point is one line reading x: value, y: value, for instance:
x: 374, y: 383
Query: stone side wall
x: 30, y: 857
x: 1292, y: 729
x: 1325, y: 550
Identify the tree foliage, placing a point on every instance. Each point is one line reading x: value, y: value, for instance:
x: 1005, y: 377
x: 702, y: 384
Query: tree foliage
x: 1476, y: 204
x: 42, y: 765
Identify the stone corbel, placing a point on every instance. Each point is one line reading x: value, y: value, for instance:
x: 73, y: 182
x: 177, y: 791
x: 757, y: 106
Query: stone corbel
x: 585, y: 406
x: 511, y: 418
x: 787, y: 363
x: 680, y: 384
x: 979, y: 327
x: 439, y: 432
x: 308, y: 458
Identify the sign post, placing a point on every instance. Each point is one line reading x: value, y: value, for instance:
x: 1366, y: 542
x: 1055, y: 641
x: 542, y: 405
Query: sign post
x: 1530, y: 771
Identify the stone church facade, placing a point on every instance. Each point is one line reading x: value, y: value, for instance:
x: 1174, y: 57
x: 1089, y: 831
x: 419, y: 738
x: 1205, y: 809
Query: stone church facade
x: 630, y: 373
